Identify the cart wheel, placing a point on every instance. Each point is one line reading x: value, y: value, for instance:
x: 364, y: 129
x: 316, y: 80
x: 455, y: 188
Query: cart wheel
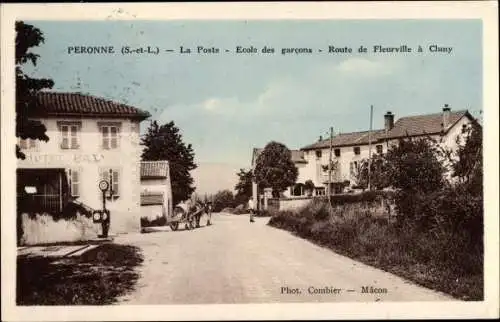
x: 174, y: 226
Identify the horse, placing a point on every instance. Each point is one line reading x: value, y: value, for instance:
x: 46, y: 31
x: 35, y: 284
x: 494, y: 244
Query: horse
x: 200, y: 209
x: 191, y: 213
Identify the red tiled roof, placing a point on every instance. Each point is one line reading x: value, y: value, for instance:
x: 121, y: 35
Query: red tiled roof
x: 408, y: 125
x: 77, y: 104
x: 297, y: 155
x: 423, y: 124
x: 149, y: 199
x: 347, y: 139
x: 154, y: 169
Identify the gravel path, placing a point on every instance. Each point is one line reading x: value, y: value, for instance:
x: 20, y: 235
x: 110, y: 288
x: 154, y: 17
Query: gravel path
x: 234, y: 261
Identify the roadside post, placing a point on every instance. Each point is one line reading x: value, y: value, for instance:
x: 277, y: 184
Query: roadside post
x: 103, y: 216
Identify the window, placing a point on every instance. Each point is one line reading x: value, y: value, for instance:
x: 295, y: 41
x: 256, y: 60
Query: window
x: 74, y: 186
x: 113, y: 180
x: 70, y: 134
x: 379, y: 148
x: 27, y: 144
x: 357, y: 150
x: 110, y: 135
x: 318, y: 153
x: 337, y: 152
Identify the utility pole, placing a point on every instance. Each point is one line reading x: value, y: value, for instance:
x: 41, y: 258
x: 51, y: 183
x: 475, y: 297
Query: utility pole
x: 370, y: 148
x: 330, y: 167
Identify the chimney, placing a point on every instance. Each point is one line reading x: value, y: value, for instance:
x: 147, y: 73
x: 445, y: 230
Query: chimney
x: 320, y: 138
x: 388, y: 121
x: 446, y: 116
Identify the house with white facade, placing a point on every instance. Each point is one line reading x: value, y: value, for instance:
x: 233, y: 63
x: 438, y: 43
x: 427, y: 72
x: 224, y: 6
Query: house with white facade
x: 349, y: 149
x: 156, y: 190
x: 90, y: 139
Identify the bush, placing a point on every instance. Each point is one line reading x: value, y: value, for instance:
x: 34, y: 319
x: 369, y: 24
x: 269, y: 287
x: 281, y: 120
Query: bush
x: 447, y: 258
x: 223, y: 199
x: 366, y: 196
x: 98, y: 277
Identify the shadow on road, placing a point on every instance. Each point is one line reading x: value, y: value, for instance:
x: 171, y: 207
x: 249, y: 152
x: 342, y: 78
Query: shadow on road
x: 147, y: 230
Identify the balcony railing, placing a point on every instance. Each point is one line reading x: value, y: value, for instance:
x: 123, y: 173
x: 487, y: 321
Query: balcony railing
x: 40, y: 203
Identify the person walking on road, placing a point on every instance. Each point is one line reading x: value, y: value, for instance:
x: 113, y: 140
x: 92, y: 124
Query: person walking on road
x: 209, y: 213
x: 251, y: 209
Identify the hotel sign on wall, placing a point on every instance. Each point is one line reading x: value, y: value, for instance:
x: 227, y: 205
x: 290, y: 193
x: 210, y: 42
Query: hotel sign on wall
x: 55, y: 159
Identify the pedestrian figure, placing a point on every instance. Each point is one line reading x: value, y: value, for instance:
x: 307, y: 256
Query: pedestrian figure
x: 209, y: 213
x: 251, y: 209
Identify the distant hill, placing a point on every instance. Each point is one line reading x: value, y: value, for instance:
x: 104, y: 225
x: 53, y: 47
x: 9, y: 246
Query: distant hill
x: 212, y: 177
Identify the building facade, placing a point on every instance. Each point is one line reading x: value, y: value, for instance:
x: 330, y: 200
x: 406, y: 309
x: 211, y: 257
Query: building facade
x: 90, y: 139
x: 350, y: 149
x: 156, y: 190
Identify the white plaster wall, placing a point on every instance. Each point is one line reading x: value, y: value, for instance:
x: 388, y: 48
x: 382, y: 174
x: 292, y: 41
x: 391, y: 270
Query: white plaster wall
x: 43, y: 229
x: 89, y: 158
x: 152, y: 211
x: 449, y: 140
x: 161, y: 186
x: 312, y: 170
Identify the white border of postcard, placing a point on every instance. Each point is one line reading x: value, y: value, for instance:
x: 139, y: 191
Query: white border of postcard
x: 485, y: 10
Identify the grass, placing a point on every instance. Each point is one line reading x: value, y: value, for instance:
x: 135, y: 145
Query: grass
x: 449, y: 265
x: 98, y: 277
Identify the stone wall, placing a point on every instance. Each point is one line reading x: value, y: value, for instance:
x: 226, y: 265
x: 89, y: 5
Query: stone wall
x: 43, y: 229
x: 294, y: 203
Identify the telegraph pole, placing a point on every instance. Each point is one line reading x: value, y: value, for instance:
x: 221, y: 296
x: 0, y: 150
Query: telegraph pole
x: 370, y: 148
x: 330, y: 167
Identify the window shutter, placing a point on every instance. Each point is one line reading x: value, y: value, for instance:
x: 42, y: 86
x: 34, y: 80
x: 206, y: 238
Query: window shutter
x: 64, y: 135
x: 105, y: 137
x: 114, y: 137
x: 116, y: 182
x: 74, y: 137
x: 75, y: 183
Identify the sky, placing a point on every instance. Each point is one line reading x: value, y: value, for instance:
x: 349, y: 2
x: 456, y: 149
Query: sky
x: 226, y: 104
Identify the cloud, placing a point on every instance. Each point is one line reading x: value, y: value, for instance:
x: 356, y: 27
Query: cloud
x: 364, y: 67
x: 218, y: 104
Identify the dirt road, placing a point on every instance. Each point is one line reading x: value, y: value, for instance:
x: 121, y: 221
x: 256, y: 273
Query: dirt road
x: 234, y: 261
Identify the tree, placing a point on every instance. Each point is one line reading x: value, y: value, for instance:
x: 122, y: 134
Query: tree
x: 379, y: 176
x: 27, y: 87
x: 309, y: 187
x: 165, y: 143
x: 416, y: 170
x: 244, y: 186
x: 223, y: 199
x: 274, y: 168
x: 467, y: 165
x: 415, y: 164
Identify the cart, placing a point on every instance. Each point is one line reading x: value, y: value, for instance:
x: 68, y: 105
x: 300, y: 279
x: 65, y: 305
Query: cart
x: 189, y: 216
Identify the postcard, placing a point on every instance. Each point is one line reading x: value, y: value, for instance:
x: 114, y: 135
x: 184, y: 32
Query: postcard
x: 249, y: 161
